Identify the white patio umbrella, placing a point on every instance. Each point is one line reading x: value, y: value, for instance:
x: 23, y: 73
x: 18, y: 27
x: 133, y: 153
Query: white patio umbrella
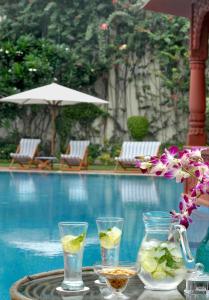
x: 53, y: 95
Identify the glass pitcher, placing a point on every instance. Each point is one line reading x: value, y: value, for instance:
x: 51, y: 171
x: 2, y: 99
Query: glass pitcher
x: 160, y: 258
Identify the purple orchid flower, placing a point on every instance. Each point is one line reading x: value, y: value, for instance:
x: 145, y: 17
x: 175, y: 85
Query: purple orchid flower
x: 173, y: 150
x: 164, y: 159
x: 138, y: 164
x: 181, y: 165
x: 184, y: 221
x: 169, y: 175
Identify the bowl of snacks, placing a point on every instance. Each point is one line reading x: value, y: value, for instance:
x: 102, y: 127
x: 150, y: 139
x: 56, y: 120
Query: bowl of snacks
x: 117, y: 277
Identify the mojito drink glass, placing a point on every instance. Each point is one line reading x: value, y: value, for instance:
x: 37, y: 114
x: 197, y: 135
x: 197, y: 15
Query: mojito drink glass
x: 73, y: 237
x: 110, y: 231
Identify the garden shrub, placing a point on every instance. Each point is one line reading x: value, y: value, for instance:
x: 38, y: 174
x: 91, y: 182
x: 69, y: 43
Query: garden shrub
x: 6, y: 149
x: 138, y: 127
x: 115, y: 150
x: 94, y: 151
x: 111, y: 147
x: 106, y: 158
x: 105, y: 154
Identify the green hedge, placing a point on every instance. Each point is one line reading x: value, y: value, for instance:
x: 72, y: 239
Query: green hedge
x: 138, y: 127
x: 6, y: 149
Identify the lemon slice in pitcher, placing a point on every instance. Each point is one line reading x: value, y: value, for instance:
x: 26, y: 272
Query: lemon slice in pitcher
x: 110, y: 238
x: 72, y: 244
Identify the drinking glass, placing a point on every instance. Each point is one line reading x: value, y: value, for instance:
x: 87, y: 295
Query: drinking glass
x: 73, y: 237
x: 109, y: 231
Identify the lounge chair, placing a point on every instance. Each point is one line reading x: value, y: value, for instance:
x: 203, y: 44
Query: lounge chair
x: 130, y: 150
x: 26, y: 152
x: 76, y: 155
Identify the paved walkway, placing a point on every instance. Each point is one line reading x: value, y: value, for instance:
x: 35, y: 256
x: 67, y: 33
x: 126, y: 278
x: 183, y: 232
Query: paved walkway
x: 102, y: 172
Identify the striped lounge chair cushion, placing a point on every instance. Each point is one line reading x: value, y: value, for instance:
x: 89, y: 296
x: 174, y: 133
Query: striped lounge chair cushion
x: 27, y: 149
x: 132, y: 149
x: 77, y: 152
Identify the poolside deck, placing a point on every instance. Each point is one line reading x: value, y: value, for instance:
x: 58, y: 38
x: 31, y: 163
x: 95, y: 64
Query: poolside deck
x: 57, y: 171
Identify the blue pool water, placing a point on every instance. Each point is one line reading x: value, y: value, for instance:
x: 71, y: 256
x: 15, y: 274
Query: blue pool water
x: 31, y: 205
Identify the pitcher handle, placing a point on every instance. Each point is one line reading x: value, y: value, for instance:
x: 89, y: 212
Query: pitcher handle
x: 184, y: 242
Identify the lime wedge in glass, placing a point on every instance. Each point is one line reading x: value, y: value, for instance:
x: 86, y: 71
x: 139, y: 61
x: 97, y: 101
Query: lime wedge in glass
x: 110, y: 238
x: 72, y: 244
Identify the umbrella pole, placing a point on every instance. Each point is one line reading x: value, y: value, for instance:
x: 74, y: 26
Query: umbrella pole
x: 53, y: 127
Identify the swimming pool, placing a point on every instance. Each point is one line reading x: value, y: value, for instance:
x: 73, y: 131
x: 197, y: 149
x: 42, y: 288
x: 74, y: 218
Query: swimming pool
x: 31, y: 205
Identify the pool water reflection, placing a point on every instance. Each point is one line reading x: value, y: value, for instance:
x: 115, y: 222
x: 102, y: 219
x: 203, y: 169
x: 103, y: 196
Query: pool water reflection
x: 31, y: 205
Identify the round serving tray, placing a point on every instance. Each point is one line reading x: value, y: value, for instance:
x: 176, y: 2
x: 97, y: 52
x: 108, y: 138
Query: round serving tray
x: 43, y: 286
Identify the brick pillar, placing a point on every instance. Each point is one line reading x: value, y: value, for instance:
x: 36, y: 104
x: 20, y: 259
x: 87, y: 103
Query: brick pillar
x: 197, y: 104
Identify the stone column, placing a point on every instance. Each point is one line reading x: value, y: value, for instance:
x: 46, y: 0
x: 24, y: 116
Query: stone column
x: 197, y: 104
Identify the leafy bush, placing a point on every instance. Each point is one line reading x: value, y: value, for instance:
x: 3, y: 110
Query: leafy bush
x: 105, y: 154
x: 94, y: 151
x: 138, y: 127
x: 115, y: 150
x: 106, y: 159
x: 112, y: 148
x: 6, y: 149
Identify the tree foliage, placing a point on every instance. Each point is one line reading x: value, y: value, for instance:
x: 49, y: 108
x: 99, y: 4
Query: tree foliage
x: 29, y: 62
x: 145, y: 39
x: 40, y: 45
x: 67, y: 41
x: 73, y: 23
